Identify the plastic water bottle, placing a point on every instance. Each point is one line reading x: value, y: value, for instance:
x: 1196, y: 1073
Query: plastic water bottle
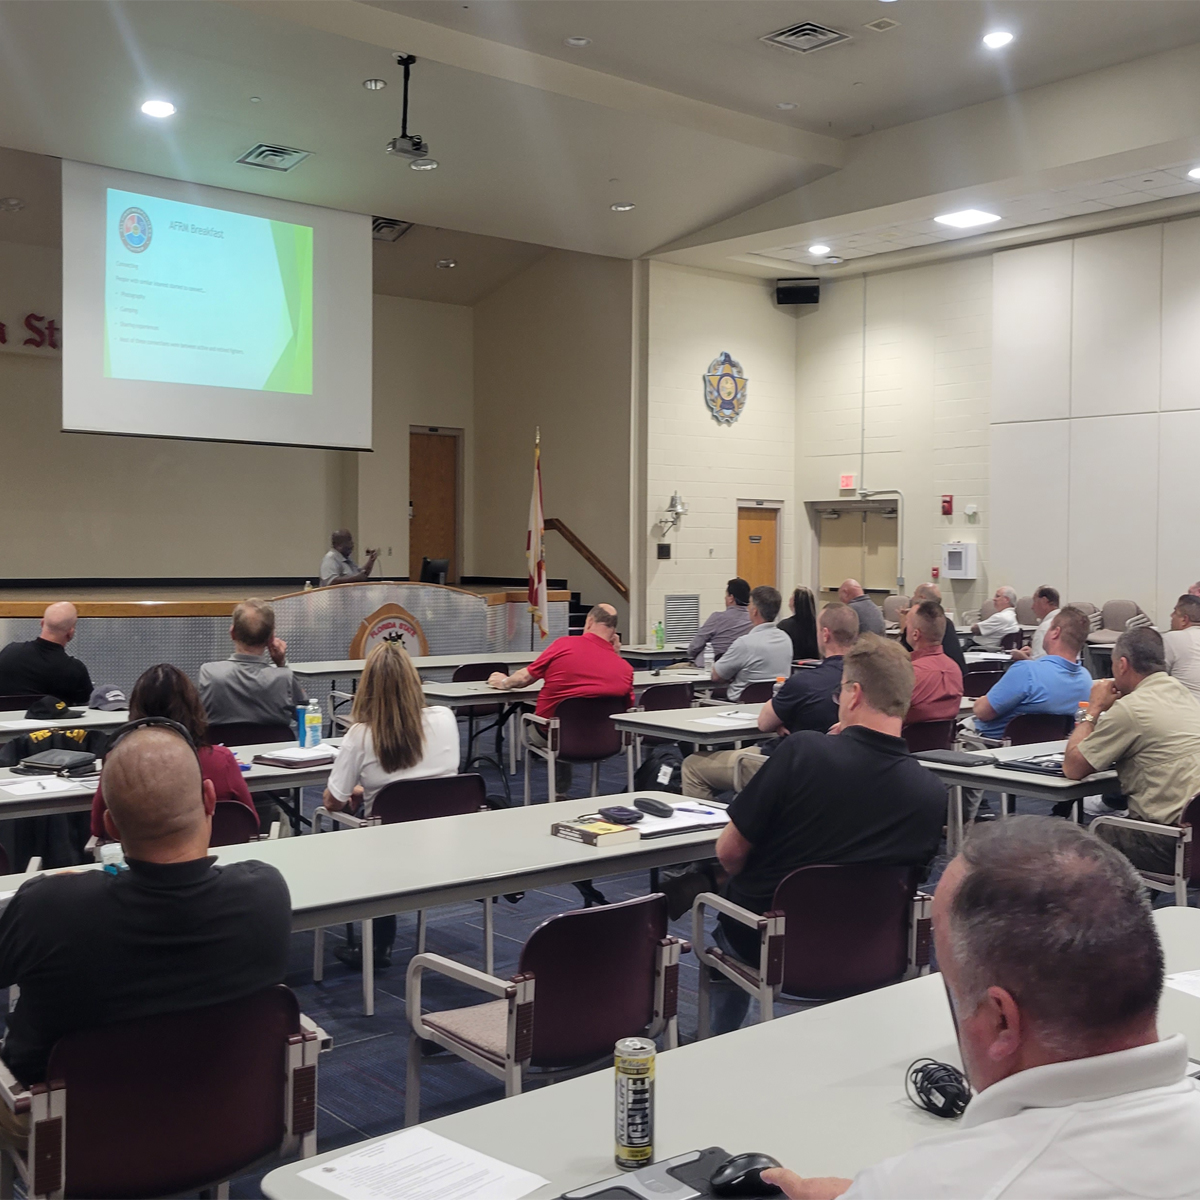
x: 112, y: 858
x: 309, y: 724
x: 660, y: 635
x: 779, y: 679
x: 709, y: 658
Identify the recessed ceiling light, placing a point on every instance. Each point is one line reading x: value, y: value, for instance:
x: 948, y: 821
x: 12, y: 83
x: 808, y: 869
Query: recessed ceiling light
x: 967, y: 219
x: 11, y: 204
x: 621, y: 207
x: 577, y: 43
x: 255, y: 99
x: 818, y: 248
x: 158, y: 108
x: 374, y: 85
x: 833, y: 258
x: 445, y: 264
x: 424, y: 164
x: 1194, y: 173
x: 993, y: 41
x: 786, y: 105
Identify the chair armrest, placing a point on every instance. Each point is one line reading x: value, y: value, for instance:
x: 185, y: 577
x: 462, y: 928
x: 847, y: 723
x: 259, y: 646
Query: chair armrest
x: 308, y: 1025
x: 711, y: 900
x: 273, y: 835
x: 35, y: 865
x: 533, y: 719
x: 770, y: 929
x: 13, y: 1092
x: 1179, y: 832
x: 420, y: 963
x: 341, y: 817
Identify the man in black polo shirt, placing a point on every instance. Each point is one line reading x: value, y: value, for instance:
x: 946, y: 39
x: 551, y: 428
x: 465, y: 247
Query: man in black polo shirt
x: 43, y: 667
x: 857, y: 797
x: 172, y: 932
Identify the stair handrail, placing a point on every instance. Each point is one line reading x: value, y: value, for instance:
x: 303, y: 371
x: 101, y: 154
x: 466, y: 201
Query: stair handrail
x: 588, y: 555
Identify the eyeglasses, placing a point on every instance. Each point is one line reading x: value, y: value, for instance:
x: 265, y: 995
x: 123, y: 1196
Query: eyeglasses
x: 841, y: 687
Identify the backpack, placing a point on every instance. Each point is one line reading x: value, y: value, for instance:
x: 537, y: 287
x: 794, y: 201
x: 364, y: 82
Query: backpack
x: 661, y: 770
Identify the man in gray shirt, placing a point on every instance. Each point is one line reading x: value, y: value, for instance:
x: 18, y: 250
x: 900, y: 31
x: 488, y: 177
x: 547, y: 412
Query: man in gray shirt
x: 339, y: 567
x: 765, y: 653
x: 870, y: 615
x: 723, y: 628
x: 253, y: 685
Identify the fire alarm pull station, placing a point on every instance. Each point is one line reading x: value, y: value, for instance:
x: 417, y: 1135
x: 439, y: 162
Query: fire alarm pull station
x: 947, y: 506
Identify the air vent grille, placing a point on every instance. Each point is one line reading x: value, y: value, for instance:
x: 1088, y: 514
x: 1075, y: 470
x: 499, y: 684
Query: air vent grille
x: 681, y: 617
x: 273, y: 158
x: 385, y: 229
x: 805, y: 37
x: 882, y: 25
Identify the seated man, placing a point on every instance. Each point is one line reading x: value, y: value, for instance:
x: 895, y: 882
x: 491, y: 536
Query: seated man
x: 43, y: 667
x: 571, y: 667
x: 1147, y: 726
x: 765, y: 653
x: 869, y: 614
x: 1054, y: 683
x: 988, y: 633
x: 338, y: 567
x: 937, y: 681
x: 1181, y: 643
x: 1053, y: 970
x: 808, y: 700
x: 173, y: 932
x: 254, y: 684
x: 1046, y: 607
x: 854, y: 797
x: 950, y: 642
x: 723, y: 628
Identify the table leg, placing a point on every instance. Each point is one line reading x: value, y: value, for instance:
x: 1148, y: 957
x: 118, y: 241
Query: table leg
x: 489, y: 939
x: 368, y: 966
x: 954, y: 820
x: 1008, y: 804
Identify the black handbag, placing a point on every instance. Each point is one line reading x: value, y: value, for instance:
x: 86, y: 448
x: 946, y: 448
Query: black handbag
x: 57, y: 762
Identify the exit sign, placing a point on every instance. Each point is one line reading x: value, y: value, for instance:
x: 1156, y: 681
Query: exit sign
x: 845, y: 481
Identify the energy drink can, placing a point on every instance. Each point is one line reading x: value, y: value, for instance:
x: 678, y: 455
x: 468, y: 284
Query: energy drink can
x: 634, y: 1074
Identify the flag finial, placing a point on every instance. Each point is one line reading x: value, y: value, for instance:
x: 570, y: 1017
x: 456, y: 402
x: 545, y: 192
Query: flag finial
x: 538, y: 436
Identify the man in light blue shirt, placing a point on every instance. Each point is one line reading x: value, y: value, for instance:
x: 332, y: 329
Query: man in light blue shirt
x: 764, y: 653
x: 1054, y: 683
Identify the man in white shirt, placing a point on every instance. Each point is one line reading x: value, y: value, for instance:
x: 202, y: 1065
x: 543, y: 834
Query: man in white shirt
x: 1053, y: 970
x: 763, y: 653
x: 1003, y: 621
x: 338, y: 565
x: 1181, y: 643
x: 1045, y: 606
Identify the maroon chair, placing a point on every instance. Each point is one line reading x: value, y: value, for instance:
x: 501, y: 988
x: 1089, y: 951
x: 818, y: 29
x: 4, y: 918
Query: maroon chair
x: 233, y: 824
x: 978, y: 680
x: 477, y: 673
x: 929, y: 735
x: 171, y: 1103
x: 601, y: 974
x: 579, y: 732
x: 1187, y: 861
x: 832, y: 931
x: 757, y: 693
x: 659, y: 697
x: 1013, y: 641
x: 247, y: 733
x: 1038, y: 727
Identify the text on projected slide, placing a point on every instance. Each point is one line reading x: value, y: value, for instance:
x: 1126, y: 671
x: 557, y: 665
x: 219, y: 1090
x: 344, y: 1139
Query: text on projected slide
x: 204, y: 296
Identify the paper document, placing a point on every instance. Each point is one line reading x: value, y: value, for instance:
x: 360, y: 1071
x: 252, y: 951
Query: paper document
x: 1185, y: 981
x: 729, y: 718
x: 690, y: 815
x: 419, y: 1165
x: 302, y: 754
x: 53, y: 786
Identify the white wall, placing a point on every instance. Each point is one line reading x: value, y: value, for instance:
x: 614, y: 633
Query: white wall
x: 1093, y: 471
x: 693, y: 317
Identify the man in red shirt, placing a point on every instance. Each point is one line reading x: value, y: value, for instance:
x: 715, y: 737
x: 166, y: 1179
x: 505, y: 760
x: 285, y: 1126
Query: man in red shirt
x: 937, y: 680
x: 584, y: 666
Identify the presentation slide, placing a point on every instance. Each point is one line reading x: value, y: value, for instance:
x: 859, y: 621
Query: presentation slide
x: 202, y: 296
x: 202, y: 313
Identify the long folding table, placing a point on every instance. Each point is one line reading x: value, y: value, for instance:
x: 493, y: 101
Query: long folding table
x: 352, y: 668
x: 821, y: 1090
x: 708, y: 727
x: 14, y: 724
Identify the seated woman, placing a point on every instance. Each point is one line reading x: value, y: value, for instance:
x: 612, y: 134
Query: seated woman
x: 393, y: 736
x: 165, y: 691
x: 801, y: 627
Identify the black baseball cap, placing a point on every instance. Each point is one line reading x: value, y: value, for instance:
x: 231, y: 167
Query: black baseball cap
x: 50, y: 708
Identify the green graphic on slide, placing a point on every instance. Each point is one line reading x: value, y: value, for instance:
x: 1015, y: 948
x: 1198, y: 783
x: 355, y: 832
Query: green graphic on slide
x: 294, y: 249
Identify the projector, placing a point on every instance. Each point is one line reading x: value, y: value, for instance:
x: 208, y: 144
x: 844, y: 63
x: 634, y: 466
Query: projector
x: 410, y: 146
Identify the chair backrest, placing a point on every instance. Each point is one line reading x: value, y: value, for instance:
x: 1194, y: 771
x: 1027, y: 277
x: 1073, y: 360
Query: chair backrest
x: 1191, y: 816
x: 929, y: 735
x: 1025, y: 613
x: 586, y: 733
x: 477, y: 672
x: 1085, y: 606
x: 1038, y: 727
x: 593, y: 973
x: 247, y: 733
x: 1012, y: 641
x: 423, y: 799
x: 987, y: 609
x: 847, y: 928
x: 233, y: 824
x: 169, y: 1103
x: 979, y: 679
x: 1115, y: 613
x: 892, y: 606
x: 20, y: 700
x: 661, y: 696
x: 5, y: 865
x: 434, y: 570
x: 757, y: 693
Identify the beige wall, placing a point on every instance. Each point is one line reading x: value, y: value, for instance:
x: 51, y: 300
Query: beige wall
x: 553, y: 349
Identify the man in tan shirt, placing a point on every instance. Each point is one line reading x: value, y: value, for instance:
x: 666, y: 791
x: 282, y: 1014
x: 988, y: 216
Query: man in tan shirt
x: 1147, y: 725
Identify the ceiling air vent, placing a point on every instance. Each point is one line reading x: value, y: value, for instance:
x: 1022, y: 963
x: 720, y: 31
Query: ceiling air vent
x: 882, y: 25
x: 384, y: 229
x: 805, y: 37
x: 273, y: 158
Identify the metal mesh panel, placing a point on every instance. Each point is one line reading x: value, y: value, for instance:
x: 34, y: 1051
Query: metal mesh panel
x: 681, y: 617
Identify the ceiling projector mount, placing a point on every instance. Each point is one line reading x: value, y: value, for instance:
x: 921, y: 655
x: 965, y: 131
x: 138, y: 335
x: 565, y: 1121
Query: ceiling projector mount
x: 410, y: 145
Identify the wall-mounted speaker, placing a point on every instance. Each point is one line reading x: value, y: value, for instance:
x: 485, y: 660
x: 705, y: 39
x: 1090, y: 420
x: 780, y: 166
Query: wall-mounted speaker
x: 797, y: 291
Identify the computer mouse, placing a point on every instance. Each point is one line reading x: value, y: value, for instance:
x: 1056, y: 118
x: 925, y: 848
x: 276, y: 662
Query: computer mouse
x: 741, y: 1175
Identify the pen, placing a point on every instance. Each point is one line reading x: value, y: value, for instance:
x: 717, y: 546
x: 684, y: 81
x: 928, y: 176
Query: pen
x: 707, y: 812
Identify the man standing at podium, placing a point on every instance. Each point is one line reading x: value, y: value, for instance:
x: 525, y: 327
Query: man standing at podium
x: 339, y: 567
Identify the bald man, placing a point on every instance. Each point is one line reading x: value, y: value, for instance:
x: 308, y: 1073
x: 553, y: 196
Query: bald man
x: 172, y: 932
x: 869, y: 614
x: 43, y: 667
x: 338, y: 565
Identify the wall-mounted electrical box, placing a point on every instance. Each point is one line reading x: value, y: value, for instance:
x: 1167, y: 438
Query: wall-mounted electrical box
x: 959, y: 560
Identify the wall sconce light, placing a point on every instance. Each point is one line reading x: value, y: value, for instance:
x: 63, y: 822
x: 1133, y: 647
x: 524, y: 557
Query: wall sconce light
x: 676, y: 509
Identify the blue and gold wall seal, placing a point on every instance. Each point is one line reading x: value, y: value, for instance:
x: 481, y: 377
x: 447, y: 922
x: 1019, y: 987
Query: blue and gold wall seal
x: 725, y: 389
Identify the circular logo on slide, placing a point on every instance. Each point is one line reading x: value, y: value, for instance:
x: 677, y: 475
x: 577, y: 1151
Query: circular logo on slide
x: 135, y: 230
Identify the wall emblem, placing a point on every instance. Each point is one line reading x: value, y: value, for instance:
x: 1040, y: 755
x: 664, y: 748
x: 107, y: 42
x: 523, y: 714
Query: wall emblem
x: 725, y: 389
x: 391, y: 623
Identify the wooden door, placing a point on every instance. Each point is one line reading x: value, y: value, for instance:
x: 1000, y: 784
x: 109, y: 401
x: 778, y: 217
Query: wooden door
x: 879, y: 552
x: 757, y: 547
x: 433, y: 501
x: 840, y: 555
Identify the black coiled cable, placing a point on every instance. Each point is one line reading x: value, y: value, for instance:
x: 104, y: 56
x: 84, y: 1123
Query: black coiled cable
x: 937, y: 1087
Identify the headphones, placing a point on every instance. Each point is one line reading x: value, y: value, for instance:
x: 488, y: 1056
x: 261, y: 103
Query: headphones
x: 939, y: 1088
x: 158, y: 723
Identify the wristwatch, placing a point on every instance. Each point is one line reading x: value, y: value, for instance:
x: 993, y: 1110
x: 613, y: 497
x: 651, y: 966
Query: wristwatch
x: 1089, y: 717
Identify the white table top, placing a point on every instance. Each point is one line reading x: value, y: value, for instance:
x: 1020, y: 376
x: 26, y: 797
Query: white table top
x: 822, y: 1090
x: 1026, y: 783
x: 646, y: 650
x: 14, y: 723
x: 346, y: 668
x: 973, y: 657
x: 459, y: 695
x: 697, y: 725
